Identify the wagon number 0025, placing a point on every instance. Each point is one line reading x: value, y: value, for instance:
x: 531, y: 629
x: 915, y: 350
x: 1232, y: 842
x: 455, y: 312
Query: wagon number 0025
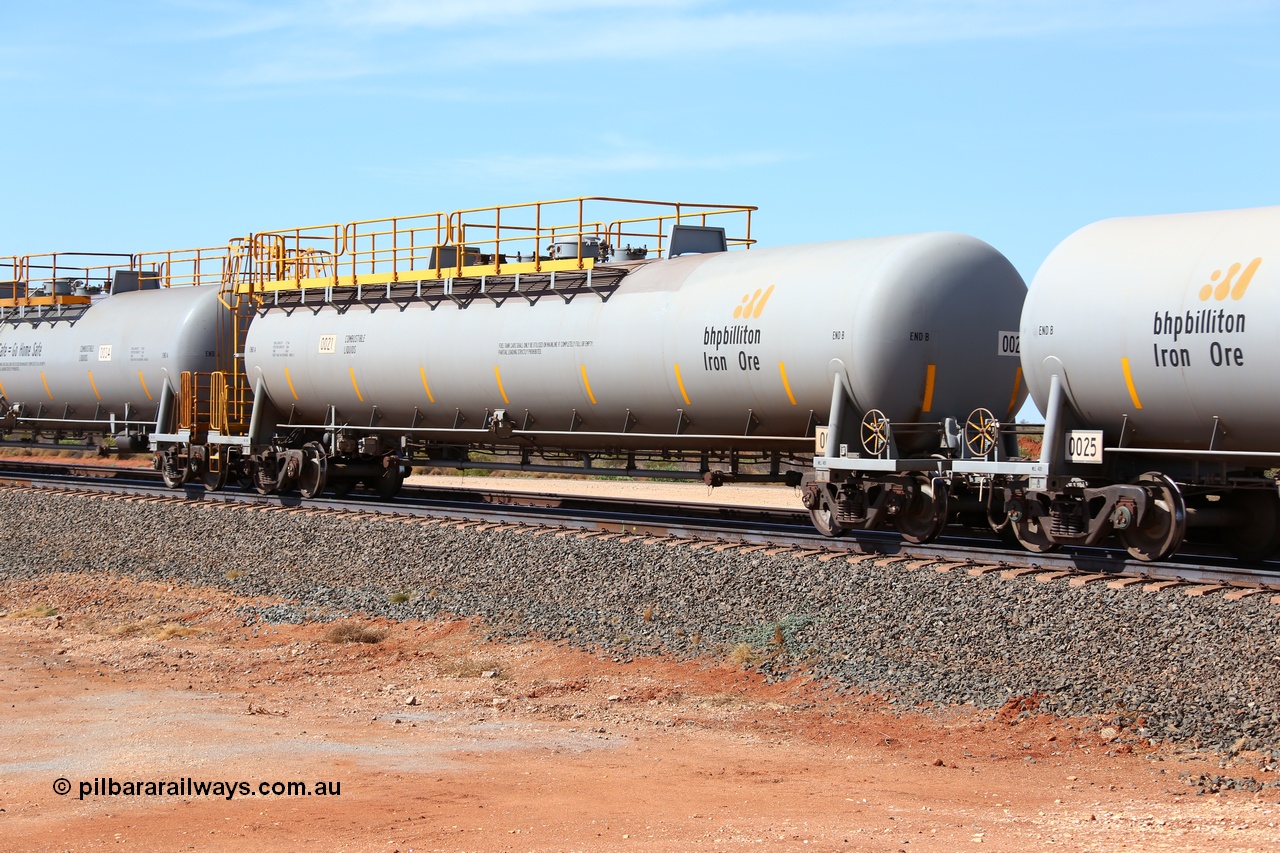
x: 1084, y: 445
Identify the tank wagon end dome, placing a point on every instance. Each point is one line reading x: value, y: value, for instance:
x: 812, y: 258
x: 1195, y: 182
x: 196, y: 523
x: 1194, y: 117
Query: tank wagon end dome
x: 945, y: 302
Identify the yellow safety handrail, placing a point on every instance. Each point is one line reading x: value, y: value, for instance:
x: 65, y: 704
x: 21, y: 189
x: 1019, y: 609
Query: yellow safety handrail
x: 70, y: 278
x: 185, y: 405
x: 473, y: 242
x: 580, y: 226
x: 59, y: 278
x: 621, y: 229
x: 218, y: 409
x: 351, y: 250
x: 531, y: 237
x: 185, y: 267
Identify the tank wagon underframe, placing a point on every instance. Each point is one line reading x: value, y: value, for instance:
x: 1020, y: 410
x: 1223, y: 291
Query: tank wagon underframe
x: 1150, y: 499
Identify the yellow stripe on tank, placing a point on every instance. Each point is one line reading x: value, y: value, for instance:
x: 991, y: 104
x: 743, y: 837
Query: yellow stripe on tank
x: 680, y: 382
x: 144, y: 386
x: 930, y: 373
x: 422, y: 371
x: 587, y: 384
x: 1013, y: 398
x: 46, y: 385
x: 359, y: 396
x: 1128, y: 381
x: 782, y: 368
x: 498, y: 376
x: 94, y: 386
x: 289, y: 380
x: 3, y: 393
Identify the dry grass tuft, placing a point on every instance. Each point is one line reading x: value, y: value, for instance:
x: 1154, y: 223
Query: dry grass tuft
x: 399, y: 597
x: 234, y: 573
x: 35, y: 611
x: 724, y: 700
x: 173, y: 629
x: 154, y: 629
x: 353, y: 632
x: 466, y: 667
x: 745, y: 655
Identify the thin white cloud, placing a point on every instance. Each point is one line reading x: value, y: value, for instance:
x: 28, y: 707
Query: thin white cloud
x: 294, y: 66
x: 356, y: 39
x: 21, y: 61
x: 660, y: 25
x: 1209, y: 118
x: 442, y: 14
x: 244, y: 48
x: 634, y: 161
x: 508, y: 166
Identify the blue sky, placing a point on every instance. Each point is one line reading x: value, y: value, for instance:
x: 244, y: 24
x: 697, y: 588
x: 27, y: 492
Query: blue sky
x: 174, y: 123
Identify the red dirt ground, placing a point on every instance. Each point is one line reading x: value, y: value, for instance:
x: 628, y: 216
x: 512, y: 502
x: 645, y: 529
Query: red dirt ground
x: 440, y: 740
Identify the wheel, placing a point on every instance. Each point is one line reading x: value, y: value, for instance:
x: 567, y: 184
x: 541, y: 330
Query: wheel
x: 173, y: 467
x: 1256, y: 536
x: 216, y: 469
x: 388, y: 485
x: 1165, y: 524
x: 263, y: 482
x: 246, y: 474
x: 1029, y: 531
x: 875, y: 432
x: 815, y: 495
x: 981, y: 431
x: 926, y: 512
x: 315, y: 465
x: 824, y: 520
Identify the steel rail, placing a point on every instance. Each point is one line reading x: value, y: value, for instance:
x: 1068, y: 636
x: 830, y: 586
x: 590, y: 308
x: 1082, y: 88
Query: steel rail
x: 774, y: 528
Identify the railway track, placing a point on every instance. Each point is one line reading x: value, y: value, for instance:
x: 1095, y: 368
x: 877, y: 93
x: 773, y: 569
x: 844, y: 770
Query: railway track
x: 693, y: 522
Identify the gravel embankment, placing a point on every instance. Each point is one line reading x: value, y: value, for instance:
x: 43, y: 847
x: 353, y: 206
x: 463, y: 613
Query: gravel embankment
x: 1158, y: 665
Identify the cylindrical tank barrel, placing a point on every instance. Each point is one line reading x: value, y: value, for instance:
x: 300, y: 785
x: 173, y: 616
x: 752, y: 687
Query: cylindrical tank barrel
x: 742, y: 344
x: 121, y: 351
x: 1165, y: 321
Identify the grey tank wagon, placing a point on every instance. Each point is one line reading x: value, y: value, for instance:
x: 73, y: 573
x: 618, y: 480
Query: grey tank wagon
x: 1147, y: 345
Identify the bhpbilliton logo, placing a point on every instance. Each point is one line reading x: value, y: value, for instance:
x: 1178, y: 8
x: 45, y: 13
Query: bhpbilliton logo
x: 1220, y: 286
x: 753, y: 304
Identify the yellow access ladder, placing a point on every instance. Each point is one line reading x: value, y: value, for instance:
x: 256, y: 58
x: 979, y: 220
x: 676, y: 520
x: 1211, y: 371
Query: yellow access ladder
x: 222, y: 400
x: 231, y: 395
